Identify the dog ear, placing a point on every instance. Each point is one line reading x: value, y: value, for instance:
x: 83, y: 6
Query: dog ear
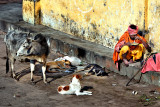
x: 65, y: 60
x: 74, y: 75
x: 78, y: 76
x: 66, y: 88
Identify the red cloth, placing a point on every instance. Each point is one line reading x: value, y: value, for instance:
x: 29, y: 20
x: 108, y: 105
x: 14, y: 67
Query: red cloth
x: 151, y: 65
x: 133, y: 31
x: 119, y: 45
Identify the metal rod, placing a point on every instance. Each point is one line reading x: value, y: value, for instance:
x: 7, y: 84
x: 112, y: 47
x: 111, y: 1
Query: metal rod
x: 140, y: 69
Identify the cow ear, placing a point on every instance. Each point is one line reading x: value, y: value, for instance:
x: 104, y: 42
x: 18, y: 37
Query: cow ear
x: 29, y: 40
x: 29, y: 33
x: 32, y: 40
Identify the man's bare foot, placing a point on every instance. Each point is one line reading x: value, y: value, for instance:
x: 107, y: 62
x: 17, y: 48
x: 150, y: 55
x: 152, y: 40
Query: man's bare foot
x: 136, y: 64
x: 131, y: 61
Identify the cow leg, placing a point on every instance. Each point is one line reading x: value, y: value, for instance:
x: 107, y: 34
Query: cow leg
x: 44, y: 72
x: 32, y: 67
x: 7, y: 61
x: 13, y: 75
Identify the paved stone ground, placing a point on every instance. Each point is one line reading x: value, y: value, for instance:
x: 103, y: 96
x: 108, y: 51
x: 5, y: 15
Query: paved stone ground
x: 10, y: 1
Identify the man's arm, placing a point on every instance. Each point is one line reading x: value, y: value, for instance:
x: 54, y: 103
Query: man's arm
x: 144, y: 43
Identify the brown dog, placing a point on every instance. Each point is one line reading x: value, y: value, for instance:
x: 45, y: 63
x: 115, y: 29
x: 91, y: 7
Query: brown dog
x: 61, y: 65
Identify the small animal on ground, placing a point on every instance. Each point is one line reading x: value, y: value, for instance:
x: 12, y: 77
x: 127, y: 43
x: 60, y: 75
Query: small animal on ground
x: 74, y: 87
x: 94, y: 69
x: 26, y: 45
x: 55, y: 66
x: 74, y: 60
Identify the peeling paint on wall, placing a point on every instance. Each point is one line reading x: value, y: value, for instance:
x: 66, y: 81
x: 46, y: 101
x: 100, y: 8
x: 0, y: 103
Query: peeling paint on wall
x: 99, y: 21
x: 28, y: 11
x: 32, y: 11
x: 154, y: 24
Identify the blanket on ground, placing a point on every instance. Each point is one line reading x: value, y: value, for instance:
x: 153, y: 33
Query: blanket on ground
x: 152, y: 64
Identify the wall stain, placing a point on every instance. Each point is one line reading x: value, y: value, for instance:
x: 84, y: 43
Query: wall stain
x: 102, y: 22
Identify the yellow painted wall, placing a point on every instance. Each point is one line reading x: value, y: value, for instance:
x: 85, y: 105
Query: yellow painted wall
x: 28, y: 11
x: 154, y: 24
x: 100, y: 21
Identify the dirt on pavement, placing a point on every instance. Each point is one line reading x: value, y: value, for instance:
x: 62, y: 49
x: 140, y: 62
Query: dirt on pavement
x: 108, y: 91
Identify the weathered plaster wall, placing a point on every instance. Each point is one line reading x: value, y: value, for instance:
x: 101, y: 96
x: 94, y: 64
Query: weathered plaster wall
x: 154, y: 24
x: 32, y: 11
x: 100, y: 21
x: 28, y: 11
x: 119, y: 14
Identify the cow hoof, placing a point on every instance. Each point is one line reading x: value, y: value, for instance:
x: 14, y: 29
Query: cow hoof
x: 16, y: 78
x: 11, y: 76
x: 46, y: 83
x: 32, y: 80
x: 32, y: 83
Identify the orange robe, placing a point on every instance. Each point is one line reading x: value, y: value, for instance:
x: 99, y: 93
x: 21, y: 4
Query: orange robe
x: 127, y: 38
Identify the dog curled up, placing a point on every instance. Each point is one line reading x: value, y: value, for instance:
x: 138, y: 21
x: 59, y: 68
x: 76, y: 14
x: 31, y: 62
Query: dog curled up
x: 74, y: 87
x: 51, y: 66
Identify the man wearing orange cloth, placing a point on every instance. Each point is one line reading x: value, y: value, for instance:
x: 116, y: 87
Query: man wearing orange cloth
x: 130, y: 47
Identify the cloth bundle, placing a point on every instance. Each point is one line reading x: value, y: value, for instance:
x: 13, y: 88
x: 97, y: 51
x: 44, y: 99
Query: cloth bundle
x: 152, y: 64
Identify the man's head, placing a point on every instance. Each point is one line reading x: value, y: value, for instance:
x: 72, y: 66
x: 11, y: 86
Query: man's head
x: 133, y: 30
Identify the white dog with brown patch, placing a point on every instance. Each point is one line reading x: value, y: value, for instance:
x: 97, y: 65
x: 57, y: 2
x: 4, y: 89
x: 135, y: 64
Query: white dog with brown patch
x: 74, y: 87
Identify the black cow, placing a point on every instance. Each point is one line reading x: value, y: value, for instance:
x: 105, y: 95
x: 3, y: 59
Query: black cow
x: 26, y: 45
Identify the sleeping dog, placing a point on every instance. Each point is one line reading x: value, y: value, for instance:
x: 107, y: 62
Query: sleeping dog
x: 57, y: 65
x: 94, y: 69
x: 73, y: 88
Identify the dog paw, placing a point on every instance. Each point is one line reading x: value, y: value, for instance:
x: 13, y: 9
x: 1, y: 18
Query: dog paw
x: 87, y: 92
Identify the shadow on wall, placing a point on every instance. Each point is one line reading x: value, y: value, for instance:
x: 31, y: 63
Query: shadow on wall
x: 81, y: 52
x: 143, y: 32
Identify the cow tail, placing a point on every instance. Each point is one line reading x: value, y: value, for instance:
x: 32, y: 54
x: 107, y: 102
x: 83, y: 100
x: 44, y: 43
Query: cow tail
x: 7, y: 61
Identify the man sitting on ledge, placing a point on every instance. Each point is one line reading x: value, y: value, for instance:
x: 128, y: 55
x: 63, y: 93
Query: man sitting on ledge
x: 130, y: 47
